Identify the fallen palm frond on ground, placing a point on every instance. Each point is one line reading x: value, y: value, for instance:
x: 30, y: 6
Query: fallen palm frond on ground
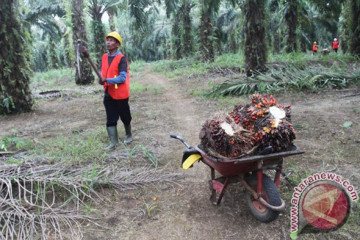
x: 49, y: 201
x: 287, y: 77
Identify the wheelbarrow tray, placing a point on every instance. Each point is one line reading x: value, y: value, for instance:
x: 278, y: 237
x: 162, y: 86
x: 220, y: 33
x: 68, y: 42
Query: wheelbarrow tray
x: 231, y: 167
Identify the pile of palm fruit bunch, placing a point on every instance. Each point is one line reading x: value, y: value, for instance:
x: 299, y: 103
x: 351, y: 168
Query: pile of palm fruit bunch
x: 260, y: 127
x: 222, y: 137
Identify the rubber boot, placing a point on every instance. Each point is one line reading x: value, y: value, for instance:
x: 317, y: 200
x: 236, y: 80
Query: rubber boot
x: 128, y: 138
x: 113, y: 135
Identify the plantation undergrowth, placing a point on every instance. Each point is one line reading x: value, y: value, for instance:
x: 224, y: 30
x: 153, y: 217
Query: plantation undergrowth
x: 294, y: 72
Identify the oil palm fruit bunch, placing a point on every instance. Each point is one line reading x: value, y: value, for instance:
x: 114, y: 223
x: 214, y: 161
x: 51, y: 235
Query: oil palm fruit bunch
x: 222, y: 137
x: 260, y: 127
x: 268, y: 122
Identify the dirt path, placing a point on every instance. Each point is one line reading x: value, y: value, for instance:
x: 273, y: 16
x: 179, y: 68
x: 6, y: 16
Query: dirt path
x: 174, y: 111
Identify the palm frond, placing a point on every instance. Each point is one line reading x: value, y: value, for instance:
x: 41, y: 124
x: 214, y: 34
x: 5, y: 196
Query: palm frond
x: 137, y: 10
x: 171, y: 6
x: 49, y: 27
x: 43, y: 11
x: 288, y: 77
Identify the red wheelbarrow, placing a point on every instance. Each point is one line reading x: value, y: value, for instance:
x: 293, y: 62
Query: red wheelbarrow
x: 262, y: 195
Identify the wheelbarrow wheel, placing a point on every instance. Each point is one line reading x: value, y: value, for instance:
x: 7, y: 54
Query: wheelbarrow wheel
x: 270, y: 194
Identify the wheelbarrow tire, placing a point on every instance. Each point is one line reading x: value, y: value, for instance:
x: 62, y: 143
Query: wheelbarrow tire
x: 271, y: 195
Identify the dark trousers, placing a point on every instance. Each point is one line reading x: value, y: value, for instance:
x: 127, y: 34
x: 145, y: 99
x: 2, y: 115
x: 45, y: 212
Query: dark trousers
x: 115, y: 109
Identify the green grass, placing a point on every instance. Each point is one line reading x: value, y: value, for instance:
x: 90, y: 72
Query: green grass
x: 82, y: 148
x: 230, y: 60
x: 53, y: 79
x: 146, y: 153
x: 230, y: 102
x: 183, y: 67
x: 136, y: 67
x: 12, y: 143
x: 74, y: 149
x: 136, y: 87
x: 192, y: 66
x: 198, y: 93
x: 302, y: 58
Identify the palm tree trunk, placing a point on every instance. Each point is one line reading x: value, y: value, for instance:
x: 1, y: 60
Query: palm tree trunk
x: 176, y: 43
x: 291, y: 18
x: 15, y: 95
x: 187, y: 35
x: 68, y: 54
x: 303, y: 45
x: 53, y: 58
x: 276, y: 42
x: 345, y: 29
x: 255, y: 48
x: 233, y: 45
x: 206, y: 44
x: 83, y: 74
x: 355, y: 27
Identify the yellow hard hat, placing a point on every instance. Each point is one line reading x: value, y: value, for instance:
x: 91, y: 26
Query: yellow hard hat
x: 114, y: 35
x: 315, y: 42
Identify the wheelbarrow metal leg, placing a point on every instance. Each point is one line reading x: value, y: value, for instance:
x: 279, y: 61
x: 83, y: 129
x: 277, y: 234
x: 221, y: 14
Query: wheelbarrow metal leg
x: 213, y: 191
x: 212, y: 173
x: 218, y: 187
x: 260, y: 178
x: 278, y: 173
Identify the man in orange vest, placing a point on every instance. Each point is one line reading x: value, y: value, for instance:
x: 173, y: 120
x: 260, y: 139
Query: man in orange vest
x: 314, y: 47
x: 335, y: 45
x: 115, y: 77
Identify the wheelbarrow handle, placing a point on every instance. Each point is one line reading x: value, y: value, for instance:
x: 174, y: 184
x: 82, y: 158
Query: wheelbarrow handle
x: 181, y: 139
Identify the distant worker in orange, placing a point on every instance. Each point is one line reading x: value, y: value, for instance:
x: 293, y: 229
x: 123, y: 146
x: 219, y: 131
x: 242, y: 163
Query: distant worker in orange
x: 314, y: 47
x: 335, y: 45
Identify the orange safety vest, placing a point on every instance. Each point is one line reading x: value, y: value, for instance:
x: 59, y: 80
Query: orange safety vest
x: 116, y: 91
x: 336, y: 45
x: 315, y: 48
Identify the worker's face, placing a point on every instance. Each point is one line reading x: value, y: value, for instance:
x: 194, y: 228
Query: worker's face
x: 112, y: 44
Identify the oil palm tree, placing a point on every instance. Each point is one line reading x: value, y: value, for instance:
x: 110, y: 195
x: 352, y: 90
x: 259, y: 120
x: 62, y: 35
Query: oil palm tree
x: 15, y: 95
x: 355, y: 28
x: 182, y: 39
x: 291, y: 19
x: 208, y: 7
x: 187, y: 37
x: 83, y: 75
x: 176, y: 36
x: 345, y: 29
x: 254, y: 30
